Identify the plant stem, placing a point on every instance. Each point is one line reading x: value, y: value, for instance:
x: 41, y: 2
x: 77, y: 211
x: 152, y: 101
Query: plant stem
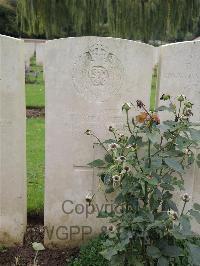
x: 100, y: 142
x: 127, y: 121
x: 35, y: 258
x: 183, y: 208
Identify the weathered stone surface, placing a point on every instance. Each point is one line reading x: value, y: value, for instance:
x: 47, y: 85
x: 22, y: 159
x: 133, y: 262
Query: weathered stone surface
x: 40, y: 53
x: 12, y: 142
x: 180, y: 74
x: 87, y: 81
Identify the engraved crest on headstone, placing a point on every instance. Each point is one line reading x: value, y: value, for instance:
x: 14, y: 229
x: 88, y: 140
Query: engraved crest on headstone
x: 97, y: 73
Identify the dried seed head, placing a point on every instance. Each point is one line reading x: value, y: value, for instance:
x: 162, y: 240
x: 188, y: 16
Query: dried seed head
x: 121, y: 137
x: 139, y: 104
x: 88, y: 132
x: 172, y: 214
x: 126, y: 168
x: 185, y: 197
x: 116, y: 178
x: 113, y: 146
x: 111, y: 228
x: 188, y: 112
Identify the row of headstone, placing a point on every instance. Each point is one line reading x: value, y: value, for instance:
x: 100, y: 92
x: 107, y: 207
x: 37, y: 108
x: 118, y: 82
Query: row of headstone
x: 87, y: 80
x: 34, y: 47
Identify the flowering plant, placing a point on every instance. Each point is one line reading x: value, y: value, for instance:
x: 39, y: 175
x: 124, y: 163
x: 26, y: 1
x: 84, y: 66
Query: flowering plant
x: 144, y: 166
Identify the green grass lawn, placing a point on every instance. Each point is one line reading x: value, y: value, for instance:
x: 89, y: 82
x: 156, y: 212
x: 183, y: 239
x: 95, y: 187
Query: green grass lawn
x: 35, y: 142
x: 35, y: 164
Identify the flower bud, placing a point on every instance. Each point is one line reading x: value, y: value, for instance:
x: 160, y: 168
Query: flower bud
x: 181, y: 98
x: 188, y: 104
x: 111, y: 129
x: 126, y: 107
x: 89, y: 197
x: 121, y: 137
x: 165, y: 97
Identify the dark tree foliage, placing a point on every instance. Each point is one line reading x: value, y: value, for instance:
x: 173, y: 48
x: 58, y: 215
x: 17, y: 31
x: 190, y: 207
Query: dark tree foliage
x: 132, y: 19
x: 8, y: 25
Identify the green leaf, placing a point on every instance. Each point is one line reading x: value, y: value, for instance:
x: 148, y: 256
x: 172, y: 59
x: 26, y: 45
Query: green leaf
x: 195, y: 134
x: 172, y: 205
x: 108, y: 158
x: 167, y: 186
x: 153, y: 181
x: 196, y: 215
x: 97, y: 163
x: 156, y: 162
x: 108, y: 253
x: 162, y: 261
x: 165, y: 108
x: 38, y: 246
x: 171, y: 251
x: 153, y: 137
x: 178, y: 235
x: 195, y: 254
x: 173, y: 164
x: 105, y: 214
x: 185, y: 223
x: 196, y: 206
x: 153, y: 252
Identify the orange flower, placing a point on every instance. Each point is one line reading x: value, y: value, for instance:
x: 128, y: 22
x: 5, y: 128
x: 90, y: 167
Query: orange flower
x: 156, y: 118
x: 141, y: 117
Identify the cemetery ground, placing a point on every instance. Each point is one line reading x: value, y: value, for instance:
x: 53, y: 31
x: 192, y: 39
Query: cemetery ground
x: 24, y: 255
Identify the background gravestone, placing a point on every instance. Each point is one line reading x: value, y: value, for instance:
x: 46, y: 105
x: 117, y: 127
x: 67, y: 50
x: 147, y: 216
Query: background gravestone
x: 12, y: 141
x: 87, y: 81
x: 179, y: 73
x: 29, y: 50
x: 40, y: 49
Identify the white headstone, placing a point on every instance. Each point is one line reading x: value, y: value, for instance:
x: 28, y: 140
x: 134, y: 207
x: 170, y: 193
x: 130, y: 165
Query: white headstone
x: 180, y: 74
x: 12, y: 142
x: 87, y: 81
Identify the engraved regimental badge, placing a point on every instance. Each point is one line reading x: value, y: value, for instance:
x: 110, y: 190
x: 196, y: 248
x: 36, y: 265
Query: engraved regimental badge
x: 97, y: 74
